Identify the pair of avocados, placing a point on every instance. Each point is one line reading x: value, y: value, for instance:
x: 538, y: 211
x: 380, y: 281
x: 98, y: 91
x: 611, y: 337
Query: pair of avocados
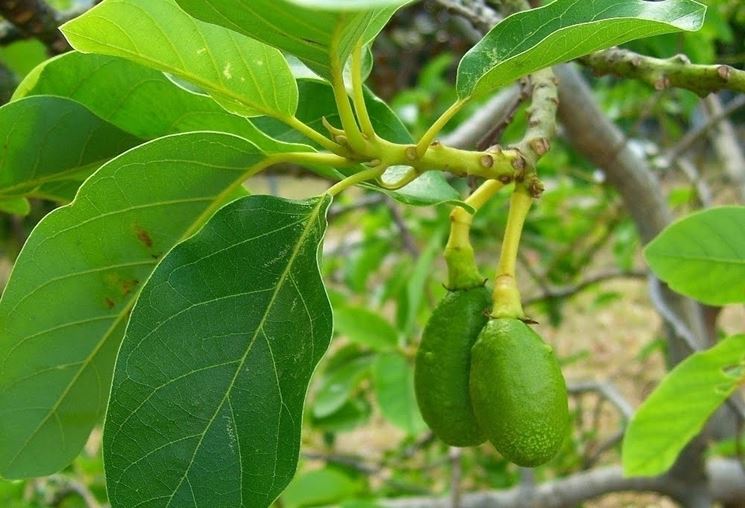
x: 478, y: 378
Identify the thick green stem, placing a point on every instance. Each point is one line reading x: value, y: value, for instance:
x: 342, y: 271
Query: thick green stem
x: 358, y: 93
x: 351, y: 130
x: 506, y: 294
x: 463, y: 272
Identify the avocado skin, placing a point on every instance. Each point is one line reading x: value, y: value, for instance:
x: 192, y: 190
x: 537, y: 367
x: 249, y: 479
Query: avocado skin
x: 443, y: 362
x: 518, y: 393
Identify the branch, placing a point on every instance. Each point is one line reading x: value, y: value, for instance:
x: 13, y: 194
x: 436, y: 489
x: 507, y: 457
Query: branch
x: 566, y: 292
x: 727, y: 145
x: 35, y: 18
x: 676, y: 72
x: 608, y: 391
x: 727, y: 484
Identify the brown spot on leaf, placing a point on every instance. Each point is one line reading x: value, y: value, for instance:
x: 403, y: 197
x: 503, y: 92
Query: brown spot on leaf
x: 109, y: 303
x: 144, y: 237
x: 128, y: 285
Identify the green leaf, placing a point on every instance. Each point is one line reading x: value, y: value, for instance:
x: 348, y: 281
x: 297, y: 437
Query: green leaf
x: 678, y: 408
x: 321, y: 487
x: 563, y: 30
x: 338, y: 384
x: 365, y: 327
x: 354, y: 413
x: 209, y: 385
x: 244, y: 76
x: 52, y: 138
x: 394, y: 384
x: 137, y: 99
x: 703, y: 255
x: 317, y: 37
x: 63, y: 312
x: 15, y: 206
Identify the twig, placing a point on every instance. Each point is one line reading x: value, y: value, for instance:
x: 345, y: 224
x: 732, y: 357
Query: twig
x: 698, y: 133
x: 676, y: 72
x: 566, y: 292
x: 406, y: 236
x: 68, y: 486
x: 493, y: 135
x: 727, y: 146
x: 607, y: 391
x: 591, y: 459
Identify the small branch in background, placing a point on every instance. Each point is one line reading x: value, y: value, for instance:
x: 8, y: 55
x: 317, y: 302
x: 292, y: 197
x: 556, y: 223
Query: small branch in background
x: 407, y: 238
x: 727, y: 145
x: 569, y: 291
x: 493, y: 136
x: 699, y: 132
x: 366, y: 201
x: 705, y: 196
x: 35, y: 18
x: 676, y: 72
x: 67, y: 487
x: 607, y: 391
x: 593, y: 455
x: 456, y: 470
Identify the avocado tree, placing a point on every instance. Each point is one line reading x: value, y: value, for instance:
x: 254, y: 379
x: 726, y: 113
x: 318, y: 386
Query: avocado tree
x: 163, y: 300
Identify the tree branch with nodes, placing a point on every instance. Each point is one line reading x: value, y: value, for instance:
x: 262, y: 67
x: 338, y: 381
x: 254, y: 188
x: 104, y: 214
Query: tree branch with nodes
x: 676, y: 71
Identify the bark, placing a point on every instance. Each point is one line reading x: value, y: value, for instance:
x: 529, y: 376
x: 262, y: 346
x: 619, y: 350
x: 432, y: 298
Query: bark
x: 727, y: 485
x: 35, y: 18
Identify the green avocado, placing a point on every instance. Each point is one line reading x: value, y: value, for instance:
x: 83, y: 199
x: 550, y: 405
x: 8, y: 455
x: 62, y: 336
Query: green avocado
x: 443, y: 362
x: 518, y: 393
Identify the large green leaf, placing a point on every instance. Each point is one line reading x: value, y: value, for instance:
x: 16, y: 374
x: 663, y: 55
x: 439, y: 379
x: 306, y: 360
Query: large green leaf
x: 394, y: 385
x: 563, y: 30
x: 63, y: 312
x: 703, y: 255
x: 137, y: 99
x: 52, y: 138
x: 679, y: 407
x: 243, y: 75
x: 315, y: 36
x: 208, y: 391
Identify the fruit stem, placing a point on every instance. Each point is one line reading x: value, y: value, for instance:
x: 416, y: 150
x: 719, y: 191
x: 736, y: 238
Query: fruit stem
x: 463, y: 272
x: 506, y: 294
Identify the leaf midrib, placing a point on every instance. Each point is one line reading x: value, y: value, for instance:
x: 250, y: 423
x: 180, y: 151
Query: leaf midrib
x: 312, y: 218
